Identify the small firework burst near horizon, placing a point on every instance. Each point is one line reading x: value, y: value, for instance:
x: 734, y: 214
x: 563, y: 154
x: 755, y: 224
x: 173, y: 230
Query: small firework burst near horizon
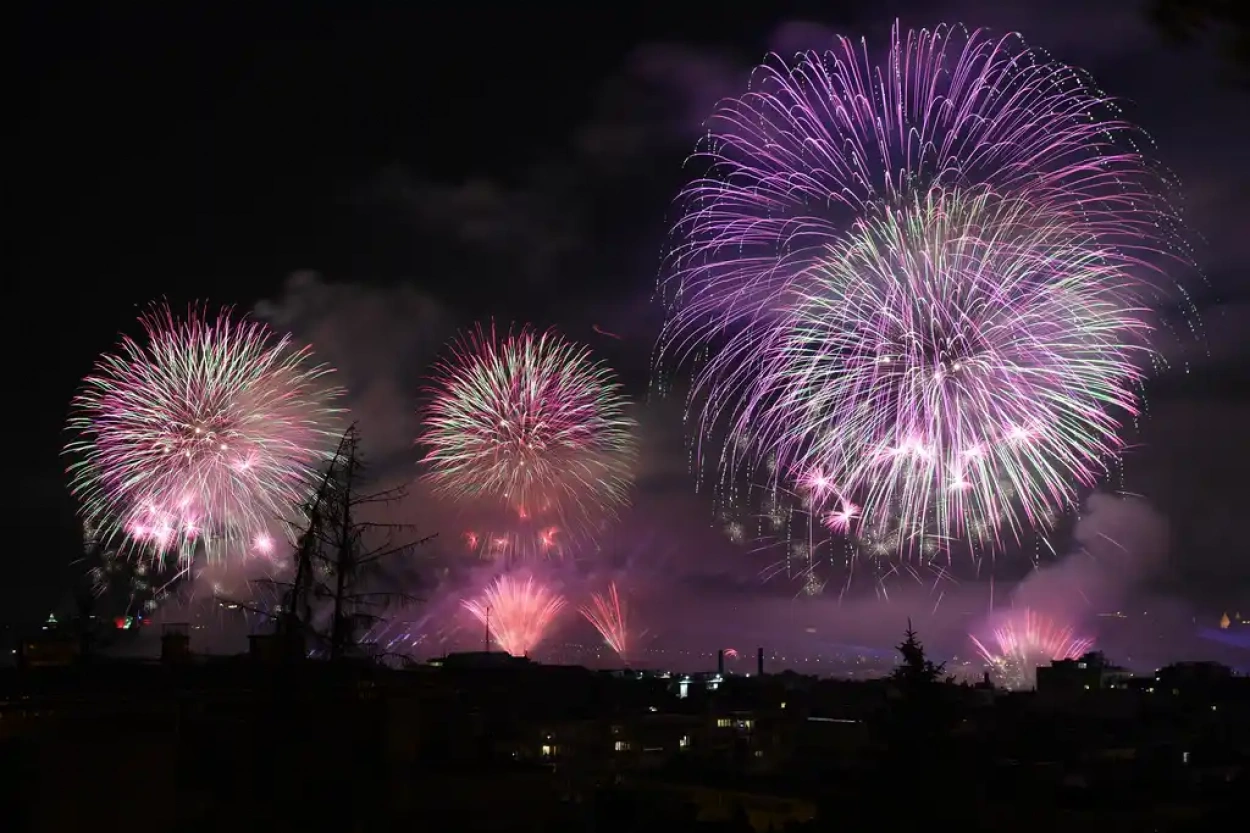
x: 920, y: 290
x: 1026, y: 639
x: 530, y: 424
x: 610, y: 618
x: 205, y: 434
x: 516, y: 613
x: 516, y: 538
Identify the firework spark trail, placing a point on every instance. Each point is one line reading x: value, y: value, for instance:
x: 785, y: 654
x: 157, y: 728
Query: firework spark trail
x: 209, y: 430
x: 604, y: 332
x: 609, y: 617
x: 923, y: 283
x: 521, y: 537
x: 530, y: 422
x: 1027, y: 639
x: 518, y: 613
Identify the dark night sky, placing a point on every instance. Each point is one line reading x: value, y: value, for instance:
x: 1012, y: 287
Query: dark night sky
x: 434, y: 163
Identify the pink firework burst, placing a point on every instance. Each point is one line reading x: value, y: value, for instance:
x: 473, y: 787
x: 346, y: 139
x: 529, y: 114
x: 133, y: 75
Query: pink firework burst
x: 529, y: 426
x: 516, y: 613
x: 1026, y: 639
x: 209, y: 429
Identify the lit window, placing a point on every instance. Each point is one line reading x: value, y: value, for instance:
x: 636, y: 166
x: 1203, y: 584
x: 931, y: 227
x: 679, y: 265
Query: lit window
x: 622, y: 746
x: 684, y: 743
x: 759, y: 753
x: 723, y: 722
x: 548, y: 750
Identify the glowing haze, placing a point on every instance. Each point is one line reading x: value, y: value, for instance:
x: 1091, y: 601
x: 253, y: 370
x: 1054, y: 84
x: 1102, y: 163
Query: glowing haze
x: 918, y: 290
x: 207, y: 431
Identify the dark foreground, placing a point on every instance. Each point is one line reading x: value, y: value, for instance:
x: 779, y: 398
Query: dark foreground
x: 242, y: 746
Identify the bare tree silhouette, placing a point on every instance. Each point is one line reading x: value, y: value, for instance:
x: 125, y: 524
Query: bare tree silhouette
x: 335, y: 555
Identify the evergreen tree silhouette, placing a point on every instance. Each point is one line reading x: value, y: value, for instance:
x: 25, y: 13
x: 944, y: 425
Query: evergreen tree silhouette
x: 917, y: 670
x: 916, y: 727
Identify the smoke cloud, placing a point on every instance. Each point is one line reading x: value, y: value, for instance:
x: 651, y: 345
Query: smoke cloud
x: 1119, y: 544
x: 378, y: 339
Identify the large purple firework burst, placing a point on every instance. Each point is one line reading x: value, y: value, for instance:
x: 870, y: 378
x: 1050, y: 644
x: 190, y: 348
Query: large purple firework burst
x: 919, y: 292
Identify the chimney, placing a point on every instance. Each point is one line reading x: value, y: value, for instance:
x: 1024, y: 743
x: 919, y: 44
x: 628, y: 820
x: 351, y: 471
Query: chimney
x: 720, y: 662
x: 759, y: 661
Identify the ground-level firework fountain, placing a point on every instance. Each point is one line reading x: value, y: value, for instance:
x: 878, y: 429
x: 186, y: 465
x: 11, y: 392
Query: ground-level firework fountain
x: 610, y: 618
x: 1026, y: 639
x: 516, y: 613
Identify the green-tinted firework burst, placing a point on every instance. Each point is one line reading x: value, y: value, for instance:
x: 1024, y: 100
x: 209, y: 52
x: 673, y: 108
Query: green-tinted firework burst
x: 959, y: 362
x: 532, y: 424
x: 207, y: 431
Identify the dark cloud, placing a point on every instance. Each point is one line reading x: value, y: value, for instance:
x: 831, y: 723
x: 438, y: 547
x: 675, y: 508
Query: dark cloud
x: 528, y: 223
x: 537, y: 221
x: 1191, y: 465
x: 659, y: 98
x: 1052, y: 25
x: 1216, y: 339
x: 379, y: 340
x: 1213, y: 198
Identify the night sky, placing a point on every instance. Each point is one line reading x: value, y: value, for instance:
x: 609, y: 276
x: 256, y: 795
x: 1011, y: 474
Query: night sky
x: 375, y: 175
